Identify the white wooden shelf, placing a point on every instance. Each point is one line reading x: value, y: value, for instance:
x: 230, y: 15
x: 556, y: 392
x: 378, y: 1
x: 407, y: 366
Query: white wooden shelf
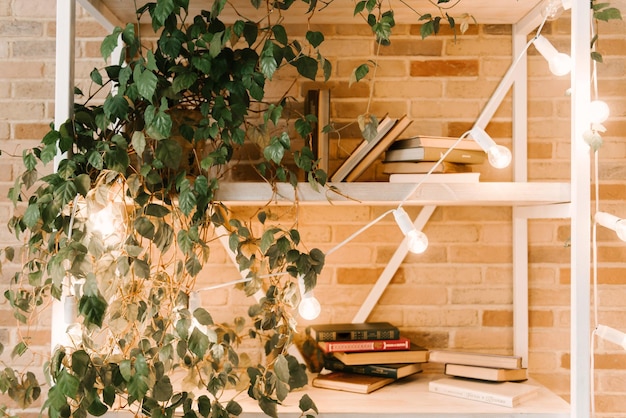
x: 371, y: 193
x: 406, y: 398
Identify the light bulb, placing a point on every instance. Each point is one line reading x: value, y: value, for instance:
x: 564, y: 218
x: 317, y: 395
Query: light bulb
x: 309, y: 307
x: 553, y: 9
x: 612, y: 222
x: 598, y: 111
x: 612, y: 335
x: 499, y: 156
x: 558, y: 62
x: 417, y: 241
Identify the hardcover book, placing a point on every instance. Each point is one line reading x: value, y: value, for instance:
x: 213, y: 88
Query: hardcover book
x: 435, y: 178
x: 412, y: 167
x: 415, y: 354
x: 365, y: 345
x: 436, y: 142
x: 476, y: 359
x: 363, y: 149
x: 318, y: 103
x: 508, y: 394
x: 379, y: 149
x: 486, y: 373
x: 393, y: 370
x: 350, y: 382
x: 360, y: 331
x: 434, y: 154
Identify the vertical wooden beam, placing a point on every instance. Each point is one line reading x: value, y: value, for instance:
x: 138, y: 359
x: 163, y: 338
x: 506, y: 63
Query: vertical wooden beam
x: 580, y: 365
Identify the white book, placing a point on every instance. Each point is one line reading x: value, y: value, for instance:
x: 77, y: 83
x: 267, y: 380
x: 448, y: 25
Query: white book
x: 470, y: 177
x: 363, y: 149
x: 509, y: 394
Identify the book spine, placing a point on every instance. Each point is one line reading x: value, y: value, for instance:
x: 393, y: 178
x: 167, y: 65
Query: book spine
x: 370, y: 370
x: 470, y: 395
x: 381, y: 334
x: 365, y: 345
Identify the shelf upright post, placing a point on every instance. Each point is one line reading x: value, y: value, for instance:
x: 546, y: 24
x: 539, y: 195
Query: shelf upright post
x: 581, y: 212
x: 63, y: 104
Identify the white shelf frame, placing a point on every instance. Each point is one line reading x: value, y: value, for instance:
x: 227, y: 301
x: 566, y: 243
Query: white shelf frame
x: 524, y: 207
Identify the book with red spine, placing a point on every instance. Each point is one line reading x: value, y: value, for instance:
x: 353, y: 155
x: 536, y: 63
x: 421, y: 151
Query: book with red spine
x: 401, y: 343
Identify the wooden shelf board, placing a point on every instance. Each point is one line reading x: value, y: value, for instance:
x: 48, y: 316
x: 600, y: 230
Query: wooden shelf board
x: 371, y: 193
x: 341, y: 11
x: 409, y: 397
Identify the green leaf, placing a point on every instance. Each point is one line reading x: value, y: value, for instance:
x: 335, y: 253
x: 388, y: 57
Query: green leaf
x: 306, y: 404
x: 315, y: 38
x: 83, y: 184
x: 280, y: 34
x: 193, y: 265
x: 360, y: 72
x: 110, y: 43
x: 198, y: 343
x: 163, y: 390
x: 307, y: 67
x: 96, y: 77
x: 274, y: 152
x: 184, y: 80
x: 186, y: 199
x: 144, y: 227
x: 31, y: 215
x: 427, y: 29
x: 204, y: 406
x: 115, y: 107
x: 202, y: 316
x: 267, y: 60
x: 138, y: 141
x: 170, y: 153
x: 146, y: 82
x: 92, y: 308
x: 157, y: 210
x: 80, y: 362
x: 97, y: 408
x: 281, y: 368
x: 159, y: 123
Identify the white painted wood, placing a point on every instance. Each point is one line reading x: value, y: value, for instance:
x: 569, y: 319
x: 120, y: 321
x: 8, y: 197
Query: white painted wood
x: 101, y: 12
x: 369, y: 193
x: 580, y: 379
x: 341, y: 11
x: 390, y: 269
x: 63, y: 104
x: 408, y: 398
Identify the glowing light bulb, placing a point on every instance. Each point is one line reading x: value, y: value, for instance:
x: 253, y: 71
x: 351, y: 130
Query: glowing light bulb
x: 559, y: 63
x: 499, y: 156
x: 309, y: 307
x: 612, y: 222
x: 553, y: 9
x: 417, y: 241
x: 598, y: 111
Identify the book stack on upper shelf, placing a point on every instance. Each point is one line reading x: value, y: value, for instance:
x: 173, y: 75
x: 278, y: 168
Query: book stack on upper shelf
x: 481, y: 366
x: 365, y: 357
x: 368, y: 151
x: 491, y: 378
x: 410, y: 159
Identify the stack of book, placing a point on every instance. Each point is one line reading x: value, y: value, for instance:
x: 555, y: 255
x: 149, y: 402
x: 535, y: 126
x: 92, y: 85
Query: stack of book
x: 368, y: 151
x: 365, y: 357
x: 480, y: 366
x: 407, y: 159
x: 490, y: 378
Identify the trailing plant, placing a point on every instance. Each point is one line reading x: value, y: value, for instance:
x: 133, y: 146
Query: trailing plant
x: 149, y: 159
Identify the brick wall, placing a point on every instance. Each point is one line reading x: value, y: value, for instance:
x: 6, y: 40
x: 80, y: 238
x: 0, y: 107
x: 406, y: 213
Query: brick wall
x: 457, y: 294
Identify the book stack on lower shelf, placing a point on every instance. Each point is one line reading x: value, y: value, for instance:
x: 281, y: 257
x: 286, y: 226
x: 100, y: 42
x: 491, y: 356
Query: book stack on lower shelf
x: 490, y: 378
x: 410, y: 159
x: 364, y: 357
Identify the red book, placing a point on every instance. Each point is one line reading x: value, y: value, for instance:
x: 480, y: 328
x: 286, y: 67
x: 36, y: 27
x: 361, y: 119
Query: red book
x: 365, y: 345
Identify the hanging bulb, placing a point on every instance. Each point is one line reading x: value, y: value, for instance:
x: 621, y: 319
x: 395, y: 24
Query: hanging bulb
x: 417, y: 241
x: 309, y: 307
x: 598, y: 111
x: 499, y: 156
x: 559, y: 63
x: 553, y: 9
x: 611, y: 334
x: 612, y: 222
